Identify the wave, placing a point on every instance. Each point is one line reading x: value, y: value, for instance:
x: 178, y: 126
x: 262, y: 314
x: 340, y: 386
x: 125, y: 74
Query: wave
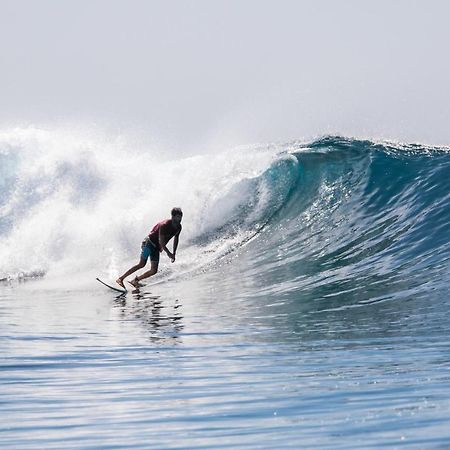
x: 366, y: 222
x: 333, y: 218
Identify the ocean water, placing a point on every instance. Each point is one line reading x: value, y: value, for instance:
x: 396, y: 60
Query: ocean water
x: 308, y: 306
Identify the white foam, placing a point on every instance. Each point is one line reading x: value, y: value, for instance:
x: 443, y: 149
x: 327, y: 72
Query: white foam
x: 84, y: 201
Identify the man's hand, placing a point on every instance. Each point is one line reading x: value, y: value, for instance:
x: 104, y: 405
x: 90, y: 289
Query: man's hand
x: 171, y: 256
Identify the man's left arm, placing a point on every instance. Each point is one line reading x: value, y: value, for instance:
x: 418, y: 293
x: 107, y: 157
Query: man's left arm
x: 175, y: 245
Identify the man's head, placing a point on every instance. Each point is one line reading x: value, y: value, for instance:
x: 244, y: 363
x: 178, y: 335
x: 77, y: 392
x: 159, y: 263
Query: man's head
x: 177, y: 215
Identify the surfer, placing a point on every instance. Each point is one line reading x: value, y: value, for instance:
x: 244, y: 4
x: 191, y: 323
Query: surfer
x: 153, y: 245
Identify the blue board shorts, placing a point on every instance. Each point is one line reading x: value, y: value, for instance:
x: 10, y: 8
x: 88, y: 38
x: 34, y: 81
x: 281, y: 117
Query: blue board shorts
x: 149, y: 250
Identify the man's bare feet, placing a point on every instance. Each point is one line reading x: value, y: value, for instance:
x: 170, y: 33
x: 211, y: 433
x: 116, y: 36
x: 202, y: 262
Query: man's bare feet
x: 135, y: 283
x: 119, y: 281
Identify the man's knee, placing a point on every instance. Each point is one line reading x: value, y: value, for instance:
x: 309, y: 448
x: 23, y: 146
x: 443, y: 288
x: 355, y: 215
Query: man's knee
x: 154, y: 269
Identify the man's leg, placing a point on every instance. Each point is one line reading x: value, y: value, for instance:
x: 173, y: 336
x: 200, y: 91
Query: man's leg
x: 149, y: 273
x: 142, y: 262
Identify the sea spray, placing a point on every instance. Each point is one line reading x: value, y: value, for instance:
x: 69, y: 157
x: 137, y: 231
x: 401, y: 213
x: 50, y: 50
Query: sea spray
x: 74, y: 203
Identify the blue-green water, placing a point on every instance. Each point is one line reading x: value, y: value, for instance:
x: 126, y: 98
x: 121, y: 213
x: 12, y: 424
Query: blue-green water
x: 309, y: 307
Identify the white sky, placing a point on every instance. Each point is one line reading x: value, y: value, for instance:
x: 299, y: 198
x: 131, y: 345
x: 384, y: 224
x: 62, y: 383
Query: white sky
x: 229, y: 72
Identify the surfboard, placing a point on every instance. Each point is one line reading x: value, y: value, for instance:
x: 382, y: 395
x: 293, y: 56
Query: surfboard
x: 117, y: 289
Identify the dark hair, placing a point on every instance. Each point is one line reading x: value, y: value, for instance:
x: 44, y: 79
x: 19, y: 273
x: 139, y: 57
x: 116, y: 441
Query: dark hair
x: 176, y: 212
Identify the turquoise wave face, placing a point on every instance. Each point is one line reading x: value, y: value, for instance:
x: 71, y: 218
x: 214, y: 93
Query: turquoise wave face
x: 365, y: 222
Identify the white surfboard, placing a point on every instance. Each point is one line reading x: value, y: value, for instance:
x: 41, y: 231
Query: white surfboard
x: 114, y: 288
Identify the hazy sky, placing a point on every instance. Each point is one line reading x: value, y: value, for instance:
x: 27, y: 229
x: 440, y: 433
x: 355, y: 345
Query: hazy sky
x: 229, y: 72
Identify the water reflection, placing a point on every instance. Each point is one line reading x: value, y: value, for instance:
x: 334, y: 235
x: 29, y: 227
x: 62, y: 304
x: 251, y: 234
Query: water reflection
x: 162, y: 318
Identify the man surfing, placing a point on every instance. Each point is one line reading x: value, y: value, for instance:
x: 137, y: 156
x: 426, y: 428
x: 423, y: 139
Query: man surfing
x: 153, y: 245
